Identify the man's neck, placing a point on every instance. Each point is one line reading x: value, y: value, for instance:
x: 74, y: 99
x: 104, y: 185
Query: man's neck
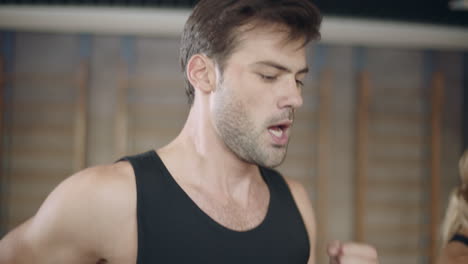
x: 199, y: 157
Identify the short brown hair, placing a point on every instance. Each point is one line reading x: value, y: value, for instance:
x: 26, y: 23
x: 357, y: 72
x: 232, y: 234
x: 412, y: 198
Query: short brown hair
x: 211, y: 28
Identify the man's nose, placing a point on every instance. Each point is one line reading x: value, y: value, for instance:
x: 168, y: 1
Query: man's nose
x: 292, y: 95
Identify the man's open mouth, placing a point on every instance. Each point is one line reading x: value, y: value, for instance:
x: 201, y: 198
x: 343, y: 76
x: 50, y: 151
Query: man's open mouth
x: 278, y: 130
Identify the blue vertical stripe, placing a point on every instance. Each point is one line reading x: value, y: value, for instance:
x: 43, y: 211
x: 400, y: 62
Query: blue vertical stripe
x: 85, y: 46
x: 428, y: 68
x: 465, y: 101
x: 8, y: 46
x: 319, y: 61
x: 359, y: 59
x: 128, y: 52
x: 8, y: 53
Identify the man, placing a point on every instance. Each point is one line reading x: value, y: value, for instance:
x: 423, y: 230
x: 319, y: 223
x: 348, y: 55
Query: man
x: 208, y: 196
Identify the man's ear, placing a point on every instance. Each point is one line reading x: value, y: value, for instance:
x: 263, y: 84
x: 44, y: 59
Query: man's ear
x: 201, y: 73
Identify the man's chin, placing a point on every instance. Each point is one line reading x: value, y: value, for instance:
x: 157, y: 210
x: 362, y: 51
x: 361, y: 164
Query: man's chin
x: 274, y: 160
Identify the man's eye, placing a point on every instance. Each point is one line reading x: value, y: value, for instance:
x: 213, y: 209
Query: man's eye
x: 268, y: 77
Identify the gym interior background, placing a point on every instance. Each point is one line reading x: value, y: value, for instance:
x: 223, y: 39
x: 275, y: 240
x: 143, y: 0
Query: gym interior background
x: 376, y: 143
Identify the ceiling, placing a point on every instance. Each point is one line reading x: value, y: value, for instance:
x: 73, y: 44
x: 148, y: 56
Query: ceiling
x: 425, y: 11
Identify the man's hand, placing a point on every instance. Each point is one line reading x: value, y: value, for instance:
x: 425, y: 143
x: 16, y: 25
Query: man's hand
x: 351, y: 253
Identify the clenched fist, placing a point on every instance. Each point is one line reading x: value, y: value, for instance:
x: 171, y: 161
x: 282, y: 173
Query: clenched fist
x: 351, y: 253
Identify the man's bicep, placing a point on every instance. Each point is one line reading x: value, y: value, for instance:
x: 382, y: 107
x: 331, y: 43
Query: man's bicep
x: 13, y: 247
x: 53, y: 234
x: 307, y: 212
x: 31, y: 242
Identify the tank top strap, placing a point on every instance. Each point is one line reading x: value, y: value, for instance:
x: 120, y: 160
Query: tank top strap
x: 285, y: 208
x: 151, y: 186
x: 148, y: 169
x: 147, y: 161
x: 278, y: 185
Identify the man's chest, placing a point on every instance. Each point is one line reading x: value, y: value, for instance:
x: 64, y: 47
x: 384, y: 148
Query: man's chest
x: 229, y: 213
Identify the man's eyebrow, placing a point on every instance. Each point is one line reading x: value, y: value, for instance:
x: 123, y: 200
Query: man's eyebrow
x: 281, y: 67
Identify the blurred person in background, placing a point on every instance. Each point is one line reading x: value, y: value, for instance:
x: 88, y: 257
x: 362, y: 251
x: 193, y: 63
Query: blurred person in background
x: 455, y: 225
x: 210, y: 195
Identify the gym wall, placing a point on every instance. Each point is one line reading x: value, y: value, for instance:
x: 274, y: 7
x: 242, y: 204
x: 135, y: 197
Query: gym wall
x: 378, y: 124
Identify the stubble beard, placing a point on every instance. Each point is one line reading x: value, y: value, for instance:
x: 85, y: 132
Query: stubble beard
x: 240, y: 134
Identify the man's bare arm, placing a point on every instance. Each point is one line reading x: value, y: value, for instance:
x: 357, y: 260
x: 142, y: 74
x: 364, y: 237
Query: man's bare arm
x: 13, y: 243
x: 70, y: 226
x: 50, y: 236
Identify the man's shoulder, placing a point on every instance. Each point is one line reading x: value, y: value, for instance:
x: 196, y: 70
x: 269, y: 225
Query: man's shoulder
x: 114, y: 175
x: 97, y: 180
x: 102, y: 188
x: 103, y: 191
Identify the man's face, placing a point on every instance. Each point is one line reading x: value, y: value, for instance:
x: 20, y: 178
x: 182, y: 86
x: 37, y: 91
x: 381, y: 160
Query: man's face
x: 255, y: 98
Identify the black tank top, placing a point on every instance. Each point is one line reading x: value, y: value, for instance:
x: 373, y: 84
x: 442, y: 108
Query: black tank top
x: 173, y: 229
